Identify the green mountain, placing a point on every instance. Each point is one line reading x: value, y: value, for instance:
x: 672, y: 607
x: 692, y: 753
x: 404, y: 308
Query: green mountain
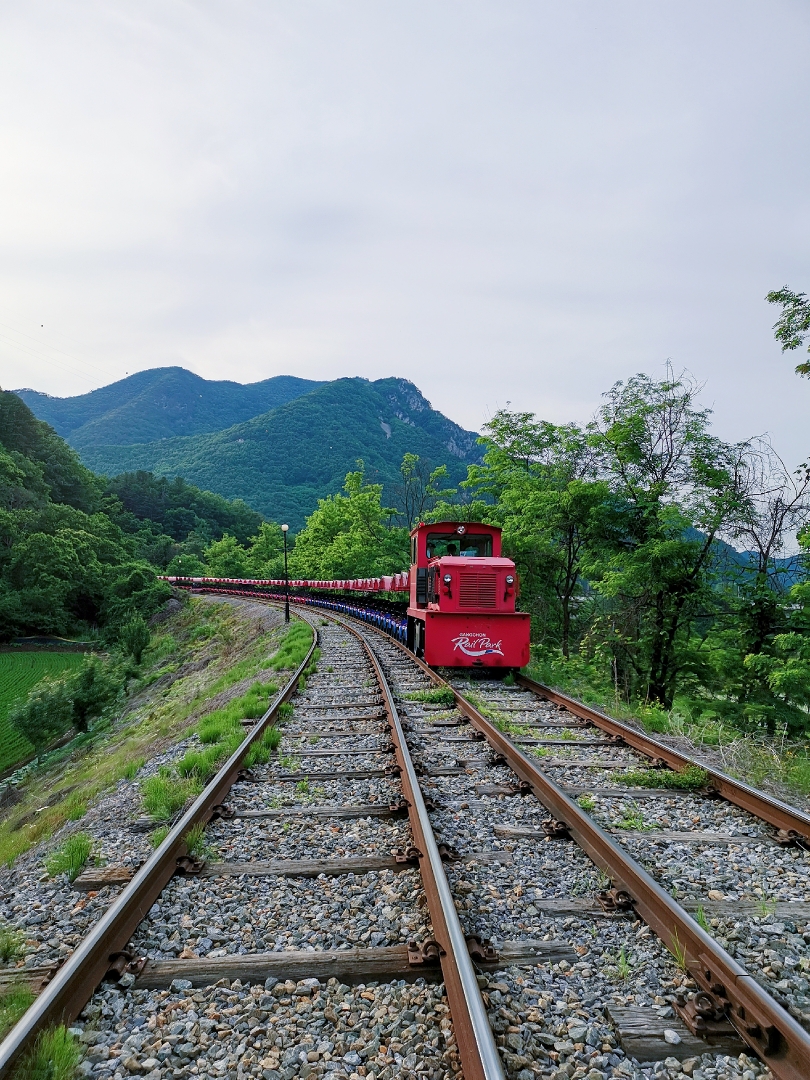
x: 159, y: 404
x: 284, y: 459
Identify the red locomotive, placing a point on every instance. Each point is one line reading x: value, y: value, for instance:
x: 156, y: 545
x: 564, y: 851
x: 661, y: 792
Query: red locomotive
x: 462, y: 599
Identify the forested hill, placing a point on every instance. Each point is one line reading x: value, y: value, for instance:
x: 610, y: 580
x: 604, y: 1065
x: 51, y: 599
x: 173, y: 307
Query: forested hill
x: 159, y: 404
x: 283, y: 460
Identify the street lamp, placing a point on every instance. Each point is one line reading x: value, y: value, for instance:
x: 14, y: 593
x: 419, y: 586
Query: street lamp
x: 284, y: 529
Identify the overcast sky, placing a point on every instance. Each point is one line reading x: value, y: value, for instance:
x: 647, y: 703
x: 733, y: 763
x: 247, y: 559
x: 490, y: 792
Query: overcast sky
x: 504, y: 201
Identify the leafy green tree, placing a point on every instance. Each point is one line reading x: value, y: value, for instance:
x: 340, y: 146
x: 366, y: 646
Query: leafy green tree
x: 420, y: 489
x: 226, y: 558
x: 792, y: 327
x: 46, y: 714
x: 94, y: 686
x: 350, y: 535
x: 265, y: 557
x: 134, y: 637
x: 186, y: 565
x: 678, y: 488
x: 547, y: 497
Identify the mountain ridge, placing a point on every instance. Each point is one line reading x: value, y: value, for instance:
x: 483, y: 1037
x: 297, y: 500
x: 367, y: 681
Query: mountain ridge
x: 283, y: 459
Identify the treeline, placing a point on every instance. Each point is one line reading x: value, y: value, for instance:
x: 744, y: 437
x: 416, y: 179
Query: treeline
x: 667, y: 560
x: 80, y: 554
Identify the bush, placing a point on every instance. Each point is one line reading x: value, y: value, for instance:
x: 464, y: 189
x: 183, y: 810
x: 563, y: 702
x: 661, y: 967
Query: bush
x: 46, y: 714
x: 134, y: 637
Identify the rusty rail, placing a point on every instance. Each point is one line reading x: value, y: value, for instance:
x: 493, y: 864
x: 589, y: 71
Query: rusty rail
x: 783, y: 817
x: 779, y: 1040
x: 66, y: 994
x: 480, y: 1059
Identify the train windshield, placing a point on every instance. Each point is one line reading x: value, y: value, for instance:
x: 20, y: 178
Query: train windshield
x: 471, y: 545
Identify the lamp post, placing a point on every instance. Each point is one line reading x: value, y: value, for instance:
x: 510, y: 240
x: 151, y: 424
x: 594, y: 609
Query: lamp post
x: 284, y: 529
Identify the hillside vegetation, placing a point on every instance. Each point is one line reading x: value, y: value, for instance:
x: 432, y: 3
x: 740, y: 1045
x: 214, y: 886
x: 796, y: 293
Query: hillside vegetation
x: 160, y: 404
x: 282, y: 461
x: 19, y: 673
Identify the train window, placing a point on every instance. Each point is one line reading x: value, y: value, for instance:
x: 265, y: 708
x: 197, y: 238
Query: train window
x: 471, y: 545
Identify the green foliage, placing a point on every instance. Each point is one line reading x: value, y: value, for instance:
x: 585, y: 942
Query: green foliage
x: 70, y: 857
x: 164, y: 795
x: 793, y: 325
x: 157, y: 836
x: 13, y: 1003
x: 54, y: 1056
x: 350, y: 535
x: 294, y: 647
x: 261, y: 751
x: 134, y: 637
x: 19, y: 673
x: 46, y: 714
x: 692, y: 778
x: 195, y: 839
x: 436, y: 695
x: 12, y: 943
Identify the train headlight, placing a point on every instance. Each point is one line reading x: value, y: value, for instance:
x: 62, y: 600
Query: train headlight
x: 510, y: 580
x: 447, y: 579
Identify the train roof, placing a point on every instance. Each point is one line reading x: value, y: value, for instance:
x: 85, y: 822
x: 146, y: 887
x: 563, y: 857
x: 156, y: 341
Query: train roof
x: 453, y: 526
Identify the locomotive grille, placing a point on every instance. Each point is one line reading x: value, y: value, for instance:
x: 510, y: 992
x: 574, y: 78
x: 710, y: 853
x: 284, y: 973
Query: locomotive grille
x: 478, y: 591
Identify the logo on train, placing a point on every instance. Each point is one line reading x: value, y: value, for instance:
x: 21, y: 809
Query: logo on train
x: 477, y: 645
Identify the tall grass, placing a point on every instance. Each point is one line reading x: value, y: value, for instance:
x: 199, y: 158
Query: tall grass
x: 54, y: 1056
x: 13, y: 1003
x: 293, y: 648
x: 70, y: 857
x: 164, y: 795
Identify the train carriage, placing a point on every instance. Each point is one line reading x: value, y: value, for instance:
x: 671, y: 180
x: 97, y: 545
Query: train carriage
x: 461, y: 598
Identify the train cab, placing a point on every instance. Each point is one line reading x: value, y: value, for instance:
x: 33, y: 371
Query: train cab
x: 462, y: 598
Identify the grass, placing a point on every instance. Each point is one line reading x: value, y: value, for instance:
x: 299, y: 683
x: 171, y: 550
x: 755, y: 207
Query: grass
x: 70, y: 857
x: 147, y: 722
x: 195, y: 840
x: 436, y: 695
x: 19, y: 673
x: 633, y: 818
x: 701, y: 920
x: 54, y: 1056
x: 587, y: 802
x: 12, y: 943
x: 164, y: 795
x: 157, y: 836
x: 293, y: 648
x: 692, y: 778
x: 679, y: 953
x: 13, y: 1003
x: 261, y: 750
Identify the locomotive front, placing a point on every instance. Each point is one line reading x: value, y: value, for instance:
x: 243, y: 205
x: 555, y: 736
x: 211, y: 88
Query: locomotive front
x: 462, y: 599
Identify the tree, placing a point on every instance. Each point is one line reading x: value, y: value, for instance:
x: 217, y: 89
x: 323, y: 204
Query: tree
x: 46, y: 714
x: 793, y: 325
x: 350, y: 535
x: 226, y: 558
x: 265, y: 557
x: 94, y: 686
x: 546, y: 496
x: 677, y: 489
x: 134, y: 637
x: 419, y: 491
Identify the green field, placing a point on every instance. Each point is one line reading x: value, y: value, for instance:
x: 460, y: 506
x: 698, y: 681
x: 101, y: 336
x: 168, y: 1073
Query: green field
x: 19, y: 671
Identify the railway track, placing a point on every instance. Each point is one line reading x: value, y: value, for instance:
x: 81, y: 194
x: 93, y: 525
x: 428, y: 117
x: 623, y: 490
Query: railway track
x: 389, y: 898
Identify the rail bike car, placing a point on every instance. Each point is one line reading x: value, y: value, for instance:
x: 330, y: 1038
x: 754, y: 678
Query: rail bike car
x: 462, y: 599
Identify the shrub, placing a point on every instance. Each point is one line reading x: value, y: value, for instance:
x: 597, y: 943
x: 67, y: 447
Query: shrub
x: 70, y: 857
x: 46, y: 714
x: 134, y: 637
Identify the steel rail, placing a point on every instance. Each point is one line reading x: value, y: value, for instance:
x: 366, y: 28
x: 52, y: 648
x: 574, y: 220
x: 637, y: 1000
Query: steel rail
x: 480, y: 1059
x: 770, y: 809
x: 779, y: 1040
x: 74, y: 983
